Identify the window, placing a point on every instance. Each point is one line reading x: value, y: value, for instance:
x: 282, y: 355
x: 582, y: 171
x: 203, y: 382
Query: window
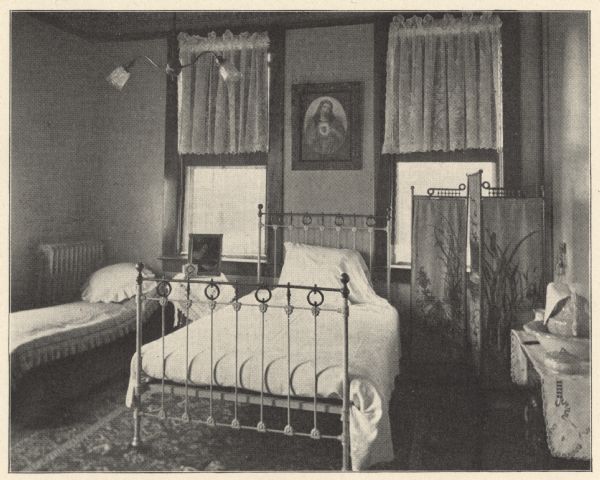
x: 224, y: 200
x: 223, y: 135
x: 424, y: 175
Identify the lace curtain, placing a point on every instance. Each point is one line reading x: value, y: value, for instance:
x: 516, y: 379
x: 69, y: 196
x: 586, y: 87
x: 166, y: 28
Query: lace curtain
x: 443, y: 84
x: 216, y: 116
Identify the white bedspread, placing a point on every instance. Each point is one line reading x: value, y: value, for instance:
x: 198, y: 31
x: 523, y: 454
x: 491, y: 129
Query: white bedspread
x: 41, y: 335
x: 374, y: 361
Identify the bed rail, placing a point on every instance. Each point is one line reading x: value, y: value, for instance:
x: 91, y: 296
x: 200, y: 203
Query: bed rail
x: 263, y: 295
x: 327, y: 229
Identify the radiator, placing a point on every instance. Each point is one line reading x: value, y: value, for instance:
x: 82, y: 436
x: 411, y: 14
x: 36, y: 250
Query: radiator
x: 64, y: 267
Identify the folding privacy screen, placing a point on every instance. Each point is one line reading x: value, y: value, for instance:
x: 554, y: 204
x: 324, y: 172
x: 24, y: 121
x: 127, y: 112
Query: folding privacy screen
x: 462, y: 312
x: 438, y: 313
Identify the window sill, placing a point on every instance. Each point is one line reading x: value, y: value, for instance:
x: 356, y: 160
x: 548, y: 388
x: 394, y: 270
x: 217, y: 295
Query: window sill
x: 400, y: 266
x: 232, y: 259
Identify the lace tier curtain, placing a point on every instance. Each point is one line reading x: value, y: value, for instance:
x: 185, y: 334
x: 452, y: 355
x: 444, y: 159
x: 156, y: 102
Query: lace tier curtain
x: 443, y: 89
x: 216, y: 116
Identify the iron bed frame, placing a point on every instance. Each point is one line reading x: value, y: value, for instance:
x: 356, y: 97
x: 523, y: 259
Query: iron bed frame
x: 369, y: 224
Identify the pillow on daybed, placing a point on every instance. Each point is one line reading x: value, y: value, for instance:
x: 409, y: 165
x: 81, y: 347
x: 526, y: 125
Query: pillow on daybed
x: 114, y: 283
x: 310, y: 264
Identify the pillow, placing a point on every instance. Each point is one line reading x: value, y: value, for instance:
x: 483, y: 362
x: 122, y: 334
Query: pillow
x: 310, y: 264
x: 115, y: 283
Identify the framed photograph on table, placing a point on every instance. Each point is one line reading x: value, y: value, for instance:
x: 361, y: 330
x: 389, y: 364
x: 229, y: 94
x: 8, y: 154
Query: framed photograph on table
x: 204, y: 251
x: 327, y: 126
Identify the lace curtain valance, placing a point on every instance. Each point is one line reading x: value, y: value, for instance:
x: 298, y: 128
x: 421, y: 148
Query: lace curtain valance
x: 443, y: 89
x: 219, y: 117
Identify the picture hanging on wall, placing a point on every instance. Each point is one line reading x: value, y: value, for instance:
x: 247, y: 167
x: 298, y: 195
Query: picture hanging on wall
x: 204, y: 251
x: 327, y: 126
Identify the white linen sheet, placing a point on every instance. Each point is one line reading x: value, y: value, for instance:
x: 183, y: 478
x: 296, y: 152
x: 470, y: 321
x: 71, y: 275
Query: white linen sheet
x: 374, y: 355
x: 199, y: 307
x: 41, y: 335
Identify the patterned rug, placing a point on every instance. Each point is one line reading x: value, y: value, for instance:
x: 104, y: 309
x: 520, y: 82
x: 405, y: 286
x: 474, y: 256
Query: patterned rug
x: 434, y: 427
x: 94, y: 435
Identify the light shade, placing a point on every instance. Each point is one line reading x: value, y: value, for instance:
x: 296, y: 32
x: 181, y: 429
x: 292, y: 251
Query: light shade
x: 227, y: 70
x: 118, y: 77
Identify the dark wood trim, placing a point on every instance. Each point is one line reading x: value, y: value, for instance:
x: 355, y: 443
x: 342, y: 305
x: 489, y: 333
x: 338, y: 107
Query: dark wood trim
x: 471, y: 155
x: 383, y: 164
x: 511, y: 99
x: 225, y: 159
x: 172, y: 189
x: 275, y: 158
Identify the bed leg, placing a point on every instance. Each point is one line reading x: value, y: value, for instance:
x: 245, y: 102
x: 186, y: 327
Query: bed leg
x: 137, y: 419
x: 137, y: 398
x: 346, y: 394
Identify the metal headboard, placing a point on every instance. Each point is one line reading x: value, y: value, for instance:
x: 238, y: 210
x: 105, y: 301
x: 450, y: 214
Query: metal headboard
x: 336, y: 230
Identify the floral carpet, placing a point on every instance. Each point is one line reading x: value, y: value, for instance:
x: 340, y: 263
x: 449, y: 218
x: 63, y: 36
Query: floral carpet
x: 435, y: 426
x: 94, y: 435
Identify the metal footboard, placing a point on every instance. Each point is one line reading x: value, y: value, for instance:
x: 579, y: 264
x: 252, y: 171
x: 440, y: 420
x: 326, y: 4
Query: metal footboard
x: 263, y: 295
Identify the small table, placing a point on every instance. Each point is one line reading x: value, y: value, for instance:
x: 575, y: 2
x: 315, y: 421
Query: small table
x: 565, y: 398
x: 200, y: 306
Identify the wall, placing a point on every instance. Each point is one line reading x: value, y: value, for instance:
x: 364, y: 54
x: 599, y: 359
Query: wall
x: 51, y: 160
x: 322, y: 55
x: 130, y: 133
x: 86, y: 159
x: 568, y: 153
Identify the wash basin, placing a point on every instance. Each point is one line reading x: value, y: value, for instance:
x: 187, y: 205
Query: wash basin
x: 578, y: 346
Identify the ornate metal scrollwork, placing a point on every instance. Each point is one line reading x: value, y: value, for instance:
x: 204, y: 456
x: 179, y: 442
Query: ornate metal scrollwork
x: 338, y: 220
x: 371, y: 221
x: 261, y: 427
x: 210, y: 421
x: 306, y: 219
x: 257, y: 295
x: 163, y: 289
x: 315, y: 434
x: 235, y: 424
x: 446, y: 192
x: 212, y: 291
x: 310, y: 297
x: 288, y: 430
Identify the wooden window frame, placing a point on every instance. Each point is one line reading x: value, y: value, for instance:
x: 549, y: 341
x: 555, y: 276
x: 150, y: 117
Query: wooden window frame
x: 175, y: 164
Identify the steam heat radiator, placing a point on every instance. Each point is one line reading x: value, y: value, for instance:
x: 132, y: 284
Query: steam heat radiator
x: 64, y: 267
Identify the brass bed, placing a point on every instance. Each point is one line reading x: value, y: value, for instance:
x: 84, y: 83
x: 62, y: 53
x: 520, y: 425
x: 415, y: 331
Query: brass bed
x: 358, y: 232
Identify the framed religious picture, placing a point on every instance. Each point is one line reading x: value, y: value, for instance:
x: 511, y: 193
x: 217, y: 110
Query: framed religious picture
x: 327, y: 126
x: 204, y: 251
